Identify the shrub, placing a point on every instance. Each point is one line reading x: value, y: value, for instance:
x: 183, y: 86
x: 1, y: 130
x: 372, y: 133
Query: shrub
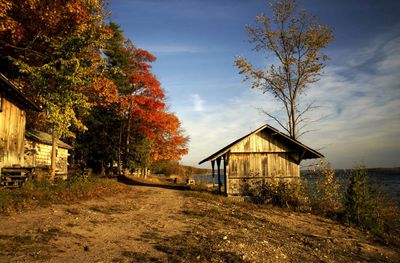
x: 81, y: 176
x: 288, y: 194
x: 323, y: 190
x: 358, y: 202
x: 368, y: 207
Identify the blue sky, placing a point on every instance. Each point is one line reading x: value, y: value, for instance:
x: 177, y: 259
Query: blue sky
x: 196, y: 42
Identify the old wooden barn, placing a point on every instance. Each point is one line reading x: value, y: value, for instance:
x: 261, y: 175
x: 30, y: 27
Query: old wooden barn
x: 13, y: 104
x: 38, y: 147
x: 263, y: 154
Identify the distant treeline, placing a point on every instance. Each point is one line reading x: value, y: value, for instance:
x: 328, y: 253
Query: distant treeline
x: 371, y: 171
x: 168, y: 167
x: 384, y: 171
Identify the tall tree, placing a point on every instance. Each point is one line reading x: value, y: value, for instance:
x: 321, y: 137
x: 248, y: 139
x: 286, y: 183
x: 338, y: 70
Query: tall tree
x: 146, y: 131
x: 52, y: 45
x: 295, y: 39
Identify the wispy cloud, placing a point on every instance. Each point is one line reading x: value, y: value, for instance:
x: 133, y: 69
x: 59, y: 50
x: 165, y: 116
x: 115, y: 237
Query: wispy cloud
x: 362, y: 105
x: 220, y: 123
x: 359, y: 97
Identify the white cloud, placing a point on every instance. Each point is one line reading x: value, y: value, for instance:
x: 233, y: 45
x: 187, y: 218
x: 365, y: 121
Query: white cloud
x: 220, y: 123
x: 197, y: 102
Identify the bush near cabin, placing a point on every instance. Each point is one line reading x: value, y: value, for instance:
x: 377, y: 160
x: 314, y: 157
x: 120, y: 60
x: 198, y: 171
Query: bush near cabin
x: 361, y: 204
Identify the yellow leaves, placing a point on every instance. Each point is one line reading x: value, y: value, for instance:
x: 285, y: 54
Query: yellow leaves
x: 245, y: 67
x: 7, y: 23
x: 5, y: 6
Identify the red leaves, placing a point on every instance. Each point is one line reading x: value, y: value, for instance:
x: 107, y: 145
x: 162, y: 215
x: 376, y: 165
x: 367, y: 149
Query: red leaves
x: 148, y: 109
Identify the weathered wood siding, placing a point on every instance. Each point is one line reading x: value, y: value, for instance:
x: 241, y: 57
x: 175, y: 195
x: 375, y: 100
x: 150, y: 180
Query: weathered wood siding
x: 12, y: 129
x: 256, y: 158
x: 259, y: 142
x: 39, y: 155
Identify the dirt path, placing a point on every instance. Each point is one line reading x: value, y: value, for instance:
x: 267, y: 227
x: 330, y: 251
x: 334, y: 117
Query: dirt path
x: 157, y: 224
x: 109, y: 229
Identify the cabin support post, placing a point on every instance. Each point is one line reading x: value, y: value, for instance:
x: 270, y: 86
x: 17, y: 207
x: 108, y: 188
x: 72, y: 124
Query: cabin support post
x: 301, y: 156
x: 225, y: 181
x: 212, y: 166
x: 219, y: 175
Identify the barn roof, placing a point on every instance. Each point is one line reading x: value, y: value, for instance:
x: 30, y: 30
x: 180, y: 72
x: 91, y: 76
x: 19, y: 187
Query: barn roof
x: 45, y: 138
x: 16, y: 94
x: 308, y: 152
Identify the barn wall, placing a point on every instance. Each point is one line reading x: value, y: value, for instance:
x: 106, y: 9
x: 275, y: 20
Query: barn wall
x: 259, y: 157
x: 39, y: 155
x: 259, y: 142
x: 12, y: 129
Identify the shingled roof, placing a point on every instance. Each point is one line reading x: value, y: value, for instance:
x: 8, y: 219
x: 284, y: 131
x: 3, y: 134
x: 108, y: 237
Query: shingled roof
x: 45, y: 138
x: 308, y: 152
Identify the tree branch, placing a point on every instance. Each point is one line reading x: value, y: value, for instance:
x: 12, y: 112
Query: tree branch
x: 26, y: 49
x: 275, y: 119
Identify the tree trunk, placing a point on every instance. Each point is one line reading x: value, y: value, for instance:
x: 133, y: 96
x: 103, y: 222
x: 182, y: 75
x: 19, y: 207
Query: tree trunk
x: 54, y: 139
x: 128, y: 130
x: 293, y: 120
x: 102, y: 168
x: 119, y: 152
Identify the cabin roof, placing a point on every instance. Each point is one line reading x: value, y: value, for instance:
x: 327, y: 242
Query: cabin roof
x: 16, y: 94
x: 308, y: 152
x: 45, y: 138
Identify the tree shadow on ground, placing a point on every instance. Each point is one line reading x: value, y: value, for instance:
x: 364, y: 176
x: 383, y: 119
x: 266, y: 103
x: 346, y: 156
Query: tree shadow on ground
x: 188, y: 246
x: 131, y: 181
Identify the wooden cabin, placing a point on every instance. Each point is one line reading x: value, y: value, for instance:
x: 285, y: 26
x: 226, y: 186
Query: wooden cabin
x: 13, y: 104
x: 262, y: 155
x: 38, y: 147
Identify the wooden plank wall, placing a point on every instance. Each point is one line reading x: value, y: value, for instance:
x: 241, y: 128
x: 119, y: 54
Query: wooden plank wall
x: 12, y: 131
x: 39, y: 155
x: 256, y: 158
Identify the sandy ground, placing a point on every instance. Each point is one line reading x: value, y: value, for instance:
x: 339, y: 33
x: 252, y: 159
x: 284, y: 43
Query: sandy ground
x: 160, y: 224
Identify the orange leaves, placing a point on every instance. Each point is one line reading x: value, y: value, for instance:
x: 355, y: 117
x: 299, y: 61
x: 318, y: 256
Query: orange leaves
x: 148, y: 111
x: 150, y: 82
x: 28, y: 19
x: 103, y: 91
x: 168, y: 142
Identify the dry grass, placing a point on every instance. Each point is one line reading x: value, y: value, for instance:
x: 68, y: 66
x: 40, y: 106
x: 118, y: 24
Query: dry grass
x: 44, y: 193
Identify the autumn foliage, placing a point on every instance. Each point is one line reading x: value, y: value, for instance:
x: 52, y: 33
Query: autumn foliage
x: 94, y: 84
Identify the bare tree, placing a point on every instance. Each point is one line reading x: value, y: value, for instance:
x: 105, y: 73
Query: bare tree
x: 295, y: 39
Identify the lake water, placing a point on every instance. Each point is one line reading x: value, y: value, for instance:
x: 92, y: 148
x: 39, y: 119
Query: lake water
x: 390, y: 183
